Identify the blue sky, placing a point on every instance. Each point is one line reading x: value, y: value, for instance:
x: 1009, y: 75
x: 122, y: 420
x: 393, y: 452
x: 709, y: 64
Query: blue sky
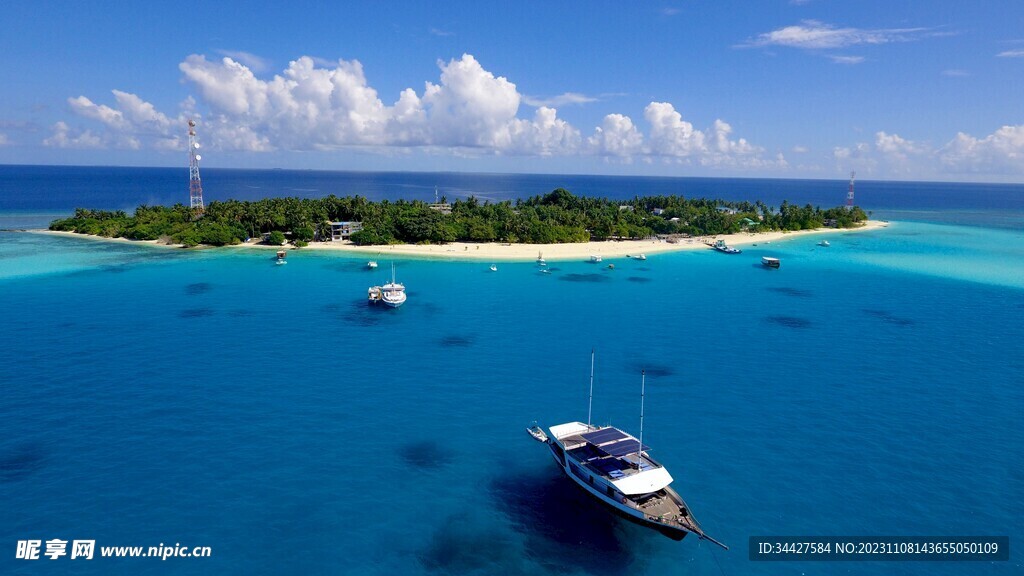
x: 792, y: 89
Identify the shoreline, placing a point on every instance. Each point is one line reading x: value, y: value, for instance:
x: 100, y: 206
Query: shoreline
x: 516, y: 252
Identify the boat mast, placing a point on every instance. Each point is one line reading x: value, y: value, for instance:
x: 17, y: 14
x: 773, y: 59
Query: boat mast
x: 590, y: 404
x: 640, y: 443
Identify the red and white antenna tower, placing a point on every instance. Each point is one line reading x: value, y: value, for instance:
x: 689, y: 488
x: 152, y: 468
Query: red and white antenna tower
x: 195, y: 184
x: 849, y: 193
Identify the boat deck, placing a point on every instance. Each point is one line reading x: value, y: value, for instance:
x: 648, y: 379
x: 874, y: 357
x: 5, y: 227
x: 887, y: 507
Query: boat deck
x: 664, y: 509
x: 610, y: 467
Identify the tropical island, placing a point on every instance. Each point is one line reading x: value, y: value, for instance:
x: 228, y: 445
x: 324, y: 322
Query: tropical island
x: 558, y: 217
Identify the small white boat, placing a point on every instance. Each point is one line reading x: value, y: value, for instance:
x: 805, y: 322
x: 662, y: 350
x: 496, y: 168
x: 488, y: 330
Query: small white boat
x: 540, y: 259
x: 641, y: 257
x: 493, y: 268
x: 535, y: 431
x: 545, y: 271
x: 371, y: 264
x: 595, y: 258
x: 281, y: 255
x: 373, y: 294
x: 770, y: 262
x: 824, y: 243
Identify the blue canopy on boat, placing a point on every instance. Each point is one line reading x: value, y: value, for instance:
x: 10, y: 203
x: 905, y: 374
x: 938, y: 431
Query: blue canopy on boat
x: 622, y: 447
x: 604, y: 436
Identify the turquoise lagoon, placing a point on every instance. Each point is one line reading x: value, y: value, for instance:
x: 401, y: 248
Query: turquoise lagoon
x: 210, y: 398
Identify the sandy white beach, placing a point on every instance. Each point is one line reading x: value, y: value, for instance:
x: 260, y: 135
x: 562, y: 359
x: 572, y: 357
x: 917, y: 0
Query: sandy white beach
x: 525, y: 252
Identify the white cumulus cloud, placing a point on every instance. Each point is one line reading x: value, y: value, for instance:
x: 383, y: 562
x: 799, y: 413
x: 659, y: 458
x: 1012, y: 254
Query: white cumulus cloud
x: 319, y: 105
x: 999, y: 152
x: 895, y: 146
x: 900, y: 156
x: 616, y: 136
x: 105, y: 114
x: 64, y: 137
x: 545, y: 135
x: 671, y: 135
x: 470, y: 107
x: 131, y: 124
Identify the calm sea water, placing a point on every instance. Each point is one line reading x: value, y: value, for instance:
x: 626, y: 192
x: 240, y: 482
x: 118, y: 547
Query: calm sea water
x: 210, y: 398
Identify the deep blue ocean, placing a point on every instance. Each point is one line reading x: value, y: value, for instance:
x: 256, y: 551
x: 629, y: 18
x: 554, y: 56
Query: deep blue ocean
x: 210, y: 398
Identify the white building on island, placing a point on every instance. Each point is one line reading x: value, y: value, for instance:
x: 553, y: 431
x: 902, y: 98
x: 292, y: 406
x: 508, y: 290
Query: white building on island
x: 344, y: 230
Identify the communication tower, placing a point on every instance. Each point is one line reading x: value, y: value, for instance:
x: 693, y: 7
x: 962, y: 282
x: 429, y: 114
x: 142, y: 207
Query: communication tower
x: 195, y: 184
x: 849, y: 193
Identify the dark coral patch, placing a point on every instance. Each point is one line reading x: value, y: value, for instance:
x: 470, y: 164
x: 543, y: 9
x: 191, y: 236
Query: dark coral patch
x: 790, y: 321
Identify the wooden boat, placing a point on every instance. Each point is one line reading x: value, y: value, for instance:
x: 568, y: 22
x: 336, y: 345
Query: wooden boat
x: 614, y: 467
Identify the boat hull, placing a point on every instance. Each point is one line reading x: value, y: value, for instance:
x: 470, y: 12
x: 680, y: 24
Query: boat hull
x: 635, y: 516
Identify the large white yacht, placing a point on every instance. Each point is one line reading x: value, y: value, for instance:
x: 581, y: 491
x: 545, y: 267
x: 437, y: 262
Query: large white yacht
x: 392, y: 293
x: 614, y: 467
x: 611, y: 466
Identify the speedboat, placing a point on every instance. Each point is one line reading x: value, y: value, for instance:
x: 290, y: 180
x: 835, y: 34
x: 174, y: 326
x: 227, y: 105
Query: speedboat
x: 614, y: 467
x: 281, y: 255
x: 392, y: 293
x: 595, y: 258
x: 540, y: 259
x: 373, y: 294
x: 537, y: 433
x: 721, y: 247
x: 824, y: 243
x: 371, y: 264
x: 640, y: 257
x: 493, y: 268
x: 770, y: 262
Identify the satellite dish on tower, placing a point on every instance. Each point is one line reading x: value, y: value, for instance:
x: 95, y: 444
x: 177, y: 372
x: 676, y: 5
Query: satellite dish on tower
x: 196, y: 145
x: 198, y: 157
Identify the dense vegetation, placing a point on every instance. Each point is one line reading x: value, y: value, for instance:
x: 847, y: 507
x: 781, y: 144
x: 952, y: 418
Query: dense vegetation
x: 556, y: 217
